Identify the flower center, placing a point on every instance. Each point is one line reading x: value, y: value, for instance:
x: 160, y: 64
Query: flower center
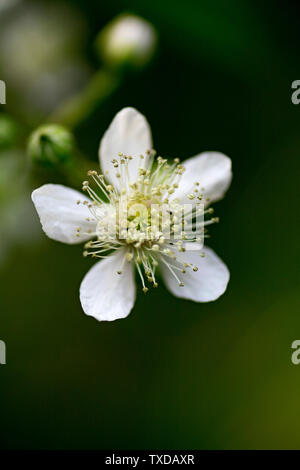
x: 145, y: 217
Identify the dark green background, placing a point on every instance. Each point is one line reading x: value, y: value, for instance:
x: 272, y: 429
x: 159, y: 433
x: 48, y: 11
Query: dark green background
x: 177, y: 374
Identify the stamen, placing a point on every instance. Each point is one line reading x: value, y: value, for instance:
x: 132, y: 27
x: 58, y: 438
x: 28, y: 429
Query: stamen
x: 155, y: 188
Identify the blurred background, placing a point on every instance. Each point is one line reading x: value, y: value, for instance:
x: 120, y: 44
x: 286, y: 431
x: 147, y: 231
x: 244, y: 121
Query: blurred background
x: 174, y: 374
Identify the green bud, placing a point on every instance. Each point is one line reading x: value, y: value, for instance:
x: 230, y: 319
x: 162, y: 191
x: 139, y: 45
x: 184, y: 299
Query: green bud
x: 127, y: 40
x: 9, y: 131
x: 50, y: 145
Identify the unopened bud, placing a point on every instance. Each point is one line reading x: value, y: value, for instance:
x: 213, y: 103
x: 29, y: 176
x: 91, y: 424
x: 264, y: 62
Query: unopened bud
x: 128, y: 39
x: 50, y: 145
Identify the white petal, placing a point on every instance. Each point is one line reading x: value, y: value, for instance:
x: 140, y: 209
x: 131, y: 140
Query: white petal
x: 205, y: 285
x: 213, y: 172
x: 130, y: 134
x: 60, y: 214
x: 105, y: 294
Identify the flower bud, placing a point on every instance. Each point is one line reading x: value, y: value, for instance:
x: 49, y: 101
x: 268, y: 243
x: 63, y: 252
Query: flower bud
x: 128, y: 39
x: 9, y: 131
x: 50, y: 145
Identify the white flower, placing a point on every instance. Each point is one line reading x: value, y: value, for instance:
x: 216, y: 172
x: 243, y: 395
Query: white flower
x: 133, y: 175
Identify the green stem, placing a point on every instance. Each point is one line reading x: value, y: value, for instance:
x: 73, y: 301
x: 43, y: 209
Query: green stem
x: 79, y: 107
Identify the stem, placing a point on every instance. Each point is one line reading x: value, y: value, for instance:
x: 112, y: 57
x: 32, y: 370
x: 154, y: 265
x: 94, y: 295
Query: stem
x: 79, y: 107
